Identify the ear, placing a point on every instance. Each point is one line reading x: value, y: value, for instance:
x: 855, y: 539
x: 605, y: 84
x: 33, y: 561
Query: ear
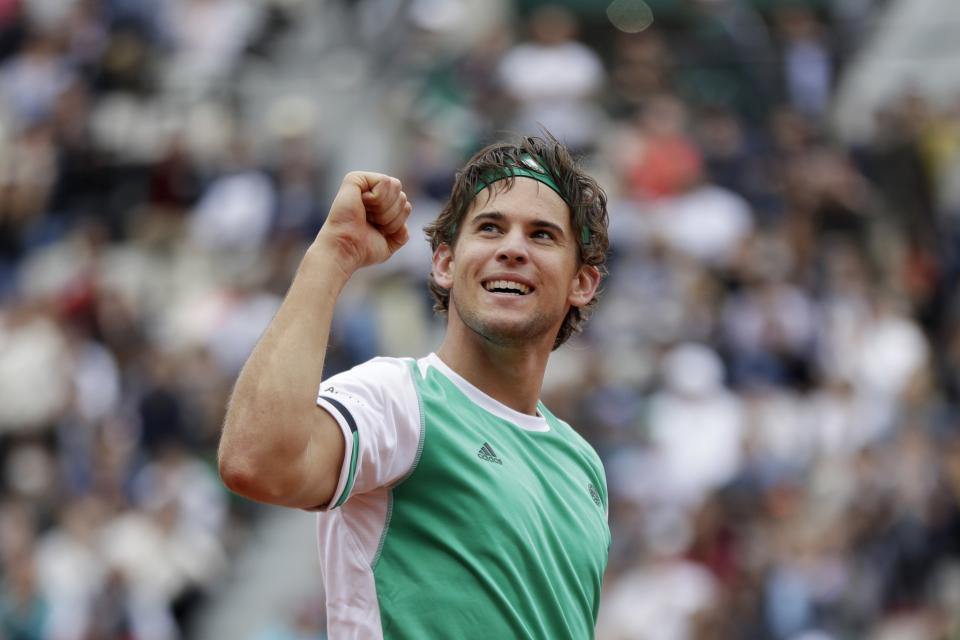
x: 442, y: 268
x: 584, y: 286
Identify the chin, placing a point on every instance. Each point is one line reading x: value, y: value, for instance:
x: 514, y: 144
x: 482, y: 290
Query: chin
x: 510, y: 333
x: 506, y: 327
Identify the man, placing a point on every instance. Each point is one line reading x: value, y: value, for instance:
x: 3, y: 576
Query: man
x: 453, y: 503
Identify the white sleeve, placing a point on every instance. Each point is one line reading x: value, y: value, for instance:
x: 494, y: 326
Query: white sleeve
x: 376, y: 406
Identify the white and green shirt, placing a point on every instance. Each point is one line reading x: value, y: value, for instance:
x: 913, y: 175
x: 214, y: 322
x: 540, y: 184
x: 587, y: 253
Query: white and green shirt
x: 456, y: 516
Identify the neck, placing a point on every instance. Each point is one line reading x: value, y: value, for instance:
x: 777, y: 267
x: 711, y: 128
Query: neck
x: 512, y: 375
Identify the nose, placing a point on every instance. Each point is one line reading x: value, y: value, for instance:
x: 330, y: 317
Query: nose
x: 513, y: 248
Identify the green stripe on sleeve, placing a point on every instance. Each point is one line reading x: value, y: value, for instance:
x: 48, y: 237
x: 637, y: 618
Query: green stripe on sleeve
x: 353, y: 471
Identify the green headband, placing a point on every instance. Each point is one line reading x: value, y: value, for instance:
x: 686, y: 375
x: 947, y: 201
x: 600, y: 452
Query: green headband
x: 530, y: 169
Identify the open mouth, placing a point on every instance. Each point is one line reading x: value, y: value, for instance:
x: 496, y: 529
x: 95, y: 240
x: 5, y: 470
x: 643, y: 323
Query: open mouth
x: 507, y: 286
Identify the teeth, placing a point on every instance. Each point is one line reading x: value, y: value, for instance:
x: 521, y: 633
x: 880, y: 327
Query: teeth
x: 508, y: 285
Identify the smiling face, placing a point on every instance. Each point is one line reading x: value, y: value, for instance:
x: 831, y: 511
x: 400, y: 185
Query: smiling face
x: 514, y: 271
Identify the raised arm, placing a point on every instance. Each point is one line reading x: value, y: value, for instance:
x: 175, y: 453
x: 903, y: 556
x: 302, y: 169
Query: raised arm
x: 277, y: 445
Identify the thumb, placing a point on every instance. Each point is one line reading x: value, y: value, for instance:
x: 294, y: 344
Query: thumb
x: 347, y: 205
x: 354, y: 194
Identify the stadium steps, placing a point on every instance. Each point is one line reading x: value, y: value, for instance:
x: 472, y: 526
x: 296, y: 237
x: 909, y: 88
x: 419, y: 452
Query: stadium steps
x: 274, y: 576
x: 321, y: 66
x: 915, y: 47
x: 277, y: 570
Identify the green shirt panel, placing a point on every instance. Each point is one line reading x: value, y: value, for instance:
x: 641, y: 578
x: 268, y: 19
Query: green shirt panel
x: 498, y: 532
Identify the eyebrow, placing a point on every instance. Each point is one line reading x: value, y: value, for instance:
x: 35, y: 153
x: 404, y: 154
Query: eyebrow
x: 500, y: 217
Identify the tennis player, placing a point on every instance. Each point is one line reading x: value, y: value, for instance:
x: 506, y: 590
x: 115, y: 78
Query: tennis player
x: 452, y: 503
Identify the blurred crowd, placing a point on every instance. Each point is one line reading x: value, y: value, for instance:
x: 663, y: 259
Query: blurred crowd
x: 143, y: 247
x: 772, y: 377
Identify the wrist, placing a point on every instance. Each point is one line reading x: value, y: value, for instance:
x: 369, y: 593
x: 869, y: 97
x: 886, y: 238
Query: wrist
x: 331, y: 261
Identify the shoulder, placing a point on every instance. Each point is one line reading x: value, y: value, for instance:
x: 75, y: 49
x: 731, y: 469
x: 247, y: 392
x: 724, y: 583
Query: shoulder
x: 380, y: 366
x: 573, y: 439
x: 382, y: 371
x: 374, y: 384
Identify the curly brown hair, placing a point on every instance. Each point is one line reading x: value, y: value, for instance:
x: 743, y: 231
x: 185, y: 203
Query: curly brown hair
x: 586, y: 199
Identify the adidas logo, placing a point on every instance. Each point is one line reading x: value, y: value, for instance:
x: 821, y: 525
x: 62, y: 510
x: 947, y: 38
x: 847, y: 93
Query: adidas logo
x: 487, y: 453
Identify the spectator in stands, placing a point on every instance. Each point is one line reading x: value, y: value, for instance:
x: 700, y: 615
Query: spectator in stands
x: 554, y: 80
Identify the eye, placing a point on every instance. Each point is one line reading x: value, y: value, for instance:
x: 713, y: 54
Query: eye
x: 488, y: 227
x: 542, y: 234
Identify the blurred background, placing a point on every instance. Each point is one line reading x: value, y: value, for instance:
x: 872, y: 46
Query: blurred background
x: 772, y: 377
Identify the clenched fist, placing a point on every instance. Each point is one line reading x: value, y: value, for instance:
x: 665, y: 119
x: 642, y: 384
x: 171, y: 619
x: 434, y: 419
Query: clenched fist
x: 367, y: 220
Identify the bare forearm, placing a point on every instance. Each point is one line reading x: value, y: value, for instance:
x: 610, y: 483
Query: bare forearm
x: 287, y: 363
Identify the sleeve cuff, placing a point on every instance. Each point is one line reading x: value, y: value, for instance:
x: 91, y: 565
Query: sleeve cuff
x: 348, y: 469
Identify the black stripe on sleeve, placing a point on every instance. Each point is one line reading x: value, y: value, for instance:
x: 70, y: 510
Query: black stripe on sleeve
x: 343, y: 411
